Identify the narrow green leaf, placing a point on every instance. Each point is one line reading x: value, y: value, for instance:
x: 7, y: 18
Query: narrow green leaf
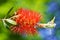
x: 8, y: 12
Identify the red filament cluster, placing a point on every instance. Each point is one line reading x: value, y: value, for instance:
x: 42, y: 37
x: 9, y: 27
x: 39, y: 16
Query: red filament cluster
x: 26, y: 21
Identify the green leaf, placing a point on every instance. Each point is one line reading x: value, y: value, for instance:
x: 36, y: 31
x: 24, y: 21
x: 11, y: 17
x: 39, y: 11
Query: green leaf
x: 11, y: 21
x: 8, y: 12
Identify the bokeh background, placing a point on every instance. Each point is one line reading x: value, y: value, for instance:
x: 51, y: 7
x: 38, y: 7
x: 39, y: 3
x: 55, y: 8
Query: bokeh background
x: 48, y: 9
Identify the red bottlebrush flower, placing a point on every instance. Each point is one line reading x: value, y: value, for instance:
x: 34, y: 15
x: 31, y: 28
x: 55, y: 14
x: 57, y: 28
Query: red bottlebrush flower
x: 26, y: 20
